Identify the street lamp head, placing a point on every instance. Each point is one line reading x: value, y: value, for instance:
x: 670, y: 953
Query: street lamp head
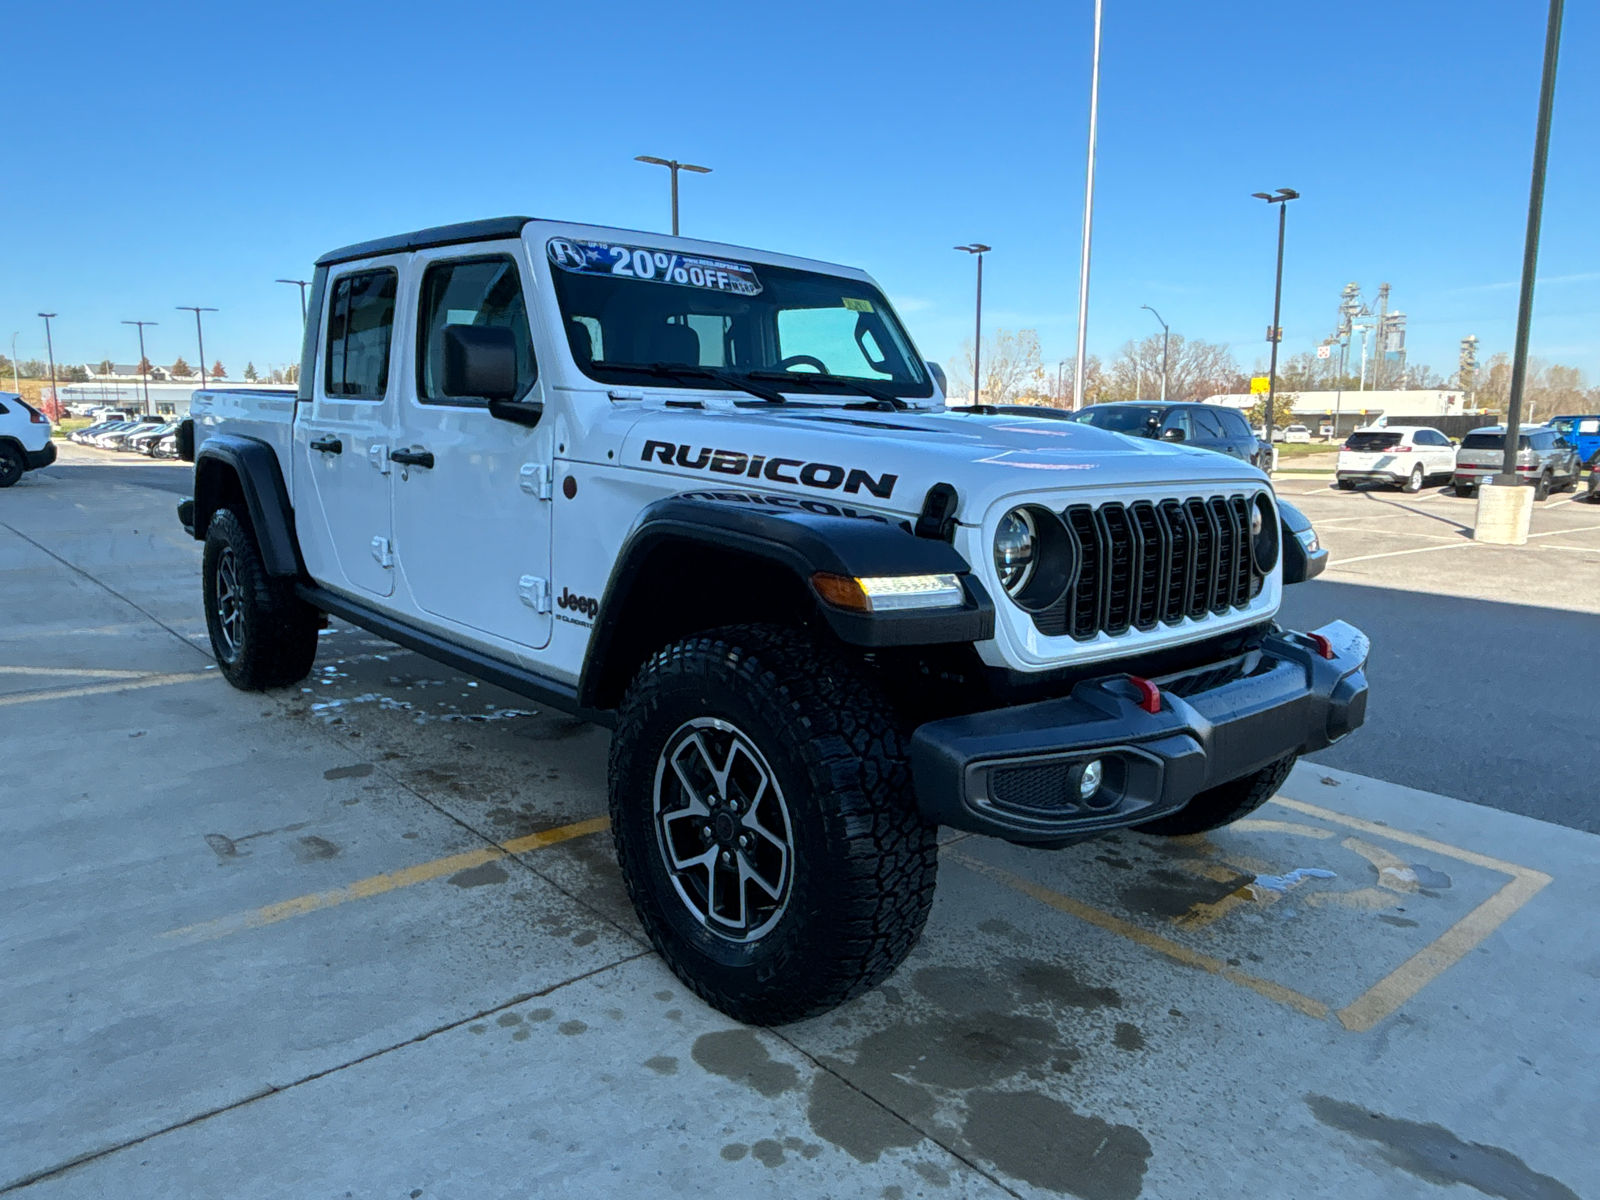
x: 695, y: 169
x: 659, y: 162
x: 1262, y: 196
x: 48, y: 316
x: 1280, y: 197
x: 975, y: 248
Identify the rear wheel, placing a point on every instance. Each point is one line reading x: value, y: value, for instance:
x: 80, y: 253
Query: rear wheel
x: 1345, y: 485
x: 12, y: 464
x: 1465, y: 489
x: 1541, y: 490
x: 263, y: 635
x: 1225, y: 803
x: 762, y: 810
x: 1414, y: 484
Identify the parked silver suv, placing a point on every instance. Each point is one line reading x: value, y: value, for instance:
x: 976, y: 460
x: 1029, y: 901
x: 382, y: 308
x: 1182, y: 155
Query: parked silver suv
x: 1545, y: 459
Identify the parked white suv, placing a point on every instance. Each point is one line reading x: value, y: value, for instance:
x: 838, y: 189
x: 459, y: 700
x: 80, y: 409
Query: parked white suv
x: 1405, y: 456
x: 25, y: 443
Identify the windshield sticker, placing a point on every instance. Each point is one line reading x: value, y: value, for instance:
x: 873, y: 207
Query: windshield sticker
x: 654, y: 266
x: 855, y: 305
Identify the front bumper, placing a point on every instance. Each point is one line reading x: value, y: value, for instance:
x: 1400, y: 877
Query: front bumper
x: 41, y: 458
x: 1012, y: 773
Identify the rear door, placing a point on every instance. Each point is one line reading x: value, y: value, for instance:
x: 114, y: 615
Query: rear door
x: 474, y: 528
x: 342, y: 443
x: 1241, y: 442
x: 1208, y: 431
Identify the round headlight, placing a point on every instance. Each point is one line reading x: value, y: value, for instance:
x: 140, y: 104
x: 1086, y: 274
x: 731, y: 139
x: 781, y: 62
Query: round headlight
x: 1263, y: 534
x: 1015, y: 543
x: 1035, y: 557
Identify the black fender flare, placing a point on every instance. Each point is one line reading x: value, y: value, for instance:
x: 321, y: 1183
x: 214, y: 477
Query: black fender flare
x: 1299, y: 564
x: 254, y: 463
x: 803, y: 537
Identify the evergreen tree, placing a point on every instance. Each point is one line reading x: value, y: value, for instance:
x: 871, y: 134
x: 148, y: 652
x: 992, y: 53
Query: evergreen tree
x: 250, y: 375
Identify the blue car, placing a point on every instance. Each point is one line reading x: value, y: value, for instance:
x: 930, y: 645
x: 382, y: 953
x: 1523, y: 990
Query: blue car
x: 1582, y: 431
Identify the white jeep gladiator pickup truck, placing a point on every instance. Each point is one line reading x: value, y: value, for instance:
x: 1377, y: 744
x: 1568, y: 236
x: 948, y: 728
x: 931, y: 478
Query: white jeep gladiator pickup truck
x: 711, y: 498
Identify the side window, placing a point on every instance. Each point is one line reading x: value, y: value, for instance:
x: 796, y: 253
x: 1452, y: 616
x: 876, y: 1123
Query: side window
x: 486, y: 292
x: 360, y: 324
x: 1178, y: 419
x: 1234, y: 424
x: 1206, y: 427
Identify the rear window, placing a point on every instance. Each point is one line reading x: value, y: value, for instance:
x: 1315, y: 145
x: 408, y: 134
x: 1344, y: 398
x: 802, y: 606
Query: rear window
x: 1490, y: 441
x: 1374, y: 441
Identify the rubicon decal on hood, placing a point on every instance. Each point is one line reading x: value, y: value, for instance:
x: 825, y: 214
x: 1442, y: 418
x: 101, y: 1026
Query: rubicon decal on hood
x: 824, y: 476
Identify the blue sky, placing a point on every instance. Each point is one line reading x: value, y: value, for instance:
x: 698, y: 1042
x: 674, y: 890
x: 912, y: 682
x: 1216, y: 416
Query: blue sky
x: 201, y: 151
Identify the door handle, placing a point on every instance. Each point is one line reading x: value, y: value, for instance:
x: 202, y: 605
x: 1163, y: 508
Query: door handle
x: 413, y: 458
x: 328, y: 445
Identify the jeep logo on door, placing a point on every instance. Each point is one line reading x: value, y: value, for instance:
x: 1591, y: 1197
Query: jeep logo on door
x: 586, y: 605
x: 825, y: 476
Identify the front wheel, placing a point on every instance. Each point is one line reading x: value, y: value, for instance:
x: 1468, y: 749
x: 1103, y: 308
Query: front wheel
x: 762, y: 810
x: 262, y: 634
x: 1225, y: 803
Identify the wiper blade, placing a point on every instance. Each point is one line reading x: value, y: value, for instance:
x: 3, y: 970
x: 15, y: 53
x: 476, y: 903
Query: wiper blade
x: 664, y: 370
x: 847, y: 382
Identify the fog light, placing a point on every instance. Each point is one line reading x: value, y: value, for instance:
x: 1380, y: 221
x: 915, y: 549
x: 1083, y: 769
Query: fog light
x: 1089, y: 781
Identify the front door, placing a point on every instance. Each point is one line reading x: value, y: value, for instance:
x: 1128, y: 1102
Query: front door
x: 473, y: 528
x: 342, y: 444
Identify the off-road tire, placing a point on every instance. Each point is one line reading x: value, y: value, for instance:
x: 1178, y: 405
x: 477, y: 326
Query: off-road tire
x: 12, y: 464
x: 864, y: 863
x: 1225, y: 803
x: 274, y: 638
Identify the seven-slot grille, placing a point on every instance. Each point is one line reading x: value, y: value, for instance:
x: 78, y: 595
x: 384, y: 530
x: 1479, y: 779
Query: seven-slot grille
x: 1150, y: 561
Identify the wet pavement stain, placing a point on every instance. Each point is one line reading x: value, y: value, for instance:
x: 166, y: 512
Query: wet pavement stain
x: 1173, y: 893
x: 767, y: 1152
x: 1128, y: 1037
x: 572, y: 1028
x: 864, y: 1130
x: 1044, y: 1142
x: 734, y: 1151
x: 310, y: 849
x: 354, y: 771
x: 1433, y: 1153
x: 480, y: 876
x: 662, y: 1064
x: 933, y: 1173
x: 1014, y: 981
x: 739, y: 1055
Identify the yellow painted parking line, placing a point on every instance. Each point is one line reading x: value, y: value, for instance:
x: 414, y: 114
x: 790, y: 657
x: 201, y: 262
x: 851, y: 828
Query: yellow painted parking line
x: 1151, y: 941
x: 378, y: 885
x: 101, y: 689
x: 1450, y: 947
x: 1383, y: 997
x: 74, y: 672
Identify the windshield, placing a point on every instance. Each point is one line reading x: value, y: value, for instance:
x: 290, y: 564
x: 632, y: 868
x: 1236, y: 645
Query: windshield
x: 1137, y: 419
x: 1374, y: 441
x: 633, y: 313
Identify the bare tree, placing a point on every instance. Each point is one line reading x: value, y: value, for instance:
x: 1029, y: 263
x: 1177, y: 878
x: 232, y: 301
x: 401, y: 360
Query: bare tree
x: 1195, y: 369
x: 1011, y: 365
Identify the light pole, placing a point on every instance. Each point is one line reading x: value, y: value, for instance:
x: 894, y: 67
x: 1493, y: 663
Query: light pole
x: 15, y: 385
x: 979, y: 249
x: 144, y: 376
x: 1530, y: 247
x: 196, y: 310
x: 302, y: 284
x: 1165, y: 332
x: 1281, y: 198
x: 674, y: 166
x: 50, y: 350
x: 1088, y: 219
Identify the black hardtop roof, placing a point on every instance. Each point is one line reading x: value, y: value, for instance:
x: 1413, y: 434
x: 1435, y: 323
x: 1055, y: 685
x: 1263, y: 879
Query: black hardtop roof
x: 422, y: 239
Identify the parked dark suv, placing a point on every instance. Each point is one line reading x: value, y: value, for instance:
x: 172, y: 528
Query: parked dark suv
x: 1209, y: 426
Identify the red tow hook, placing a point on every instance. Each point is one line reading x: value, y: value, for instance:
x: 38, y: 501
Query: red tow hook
x: 1149, y: 694
x: 1322, y: 645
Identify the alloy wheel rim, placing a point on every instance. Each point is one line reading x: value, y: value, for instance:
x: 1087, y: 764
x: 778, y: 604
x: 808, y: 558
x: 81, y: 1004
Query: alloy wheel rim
x: 230, y: 614
x: 723, y: 829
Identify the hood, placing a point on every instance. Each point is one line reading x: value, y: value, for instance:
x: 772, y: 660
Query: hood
x: 889, y: 460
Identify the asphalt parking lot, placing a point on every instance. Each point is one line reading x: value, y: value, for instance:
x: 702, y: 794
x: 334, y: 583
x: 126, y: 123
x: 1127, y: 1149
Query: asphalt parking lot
x: 365, y: 937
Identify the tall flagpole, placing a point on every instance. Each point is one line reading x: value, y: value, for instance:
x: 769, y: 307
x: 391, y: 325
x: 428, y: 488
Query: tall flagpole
x: 1088, y: 219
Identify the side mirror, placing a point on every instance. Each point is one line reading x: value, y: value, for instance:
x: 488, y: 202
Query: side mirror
x: 1173, y: 435
x: 481, y: 362
x: 937, y: 372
